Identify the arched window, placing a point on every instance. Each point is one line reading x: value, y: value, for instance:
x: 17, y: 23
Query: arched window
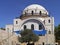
x: 32, y: 27
x: 49, y: 32
x: 32, y: 12
x: 40, y: 27
x: 24, y: 27
x: 40, y: 12
x: 16, y: 22
x: 49, y: 20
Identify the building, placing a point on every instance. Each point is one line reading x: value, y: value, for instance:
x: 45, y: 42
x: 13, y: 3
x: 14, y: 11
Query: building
x: 36, y: 18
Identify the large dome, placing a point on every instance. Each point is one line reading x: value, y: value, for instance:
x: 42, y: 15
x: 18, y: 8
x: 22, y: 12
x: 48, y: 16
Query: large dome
x: 36, y: 9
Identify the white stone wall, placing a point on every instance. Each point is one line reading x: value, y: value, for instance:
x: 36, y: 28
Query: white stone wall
x: 28, y: 24
x: 17, y: 26
x: 9, y: 28
x: 47, y: 39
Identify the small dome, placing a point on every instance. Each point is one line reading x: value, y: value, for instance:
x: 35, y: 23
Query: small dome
x: 35, y: 8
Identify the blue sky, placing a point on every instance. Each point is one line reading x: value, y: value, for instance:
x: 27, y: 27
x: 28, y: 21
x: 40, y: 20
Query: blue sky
x: 10, y: 9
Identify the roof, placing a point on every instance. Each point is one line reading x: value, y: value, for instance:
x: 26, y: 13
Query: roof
x: 36, y: 8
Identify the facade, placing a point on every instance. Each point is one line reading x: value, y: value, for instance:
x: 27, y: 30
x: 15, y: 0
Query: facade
x: 36, y: 18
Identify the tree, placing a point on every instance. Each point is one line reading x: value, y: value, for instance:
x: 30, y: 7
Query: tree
x: 59, y: 27
x: 28, y: 36
x: 2, y: 28
x: 57, y: 32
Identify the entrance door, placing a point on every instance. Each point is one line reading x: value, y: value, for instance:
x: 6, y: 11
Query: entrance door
x: 30, y: 44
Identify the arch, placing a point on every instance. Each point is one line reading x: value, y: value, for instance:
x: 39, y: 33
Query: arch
x: 34, y: 20
x: 49, y: 32
x: 40, y: 27
x: 16, y: 22
x: 32, y: 26
x: 40, y: 12
x: 24, y: 27
x: 49, y: 20
x: 32, y: 12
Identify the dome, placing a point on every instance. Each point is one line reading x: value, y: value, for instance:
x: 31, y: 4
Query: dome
x: 36, y: 9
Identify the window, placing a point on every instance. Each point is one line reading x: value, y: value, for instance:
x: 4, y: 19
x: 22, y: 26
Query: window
x: 40, y: 13
x: 32, y: 12
x: 40, y: 27
x: 49, y: 32
x: 32, y: 27
x: 24, y: 27
x: 49, y: 20
x: 16, y: 22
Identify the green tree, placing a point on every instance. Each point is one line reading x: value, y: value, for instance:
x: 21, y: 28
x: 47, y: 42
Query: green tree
x: 59, y: 27
x: 2, y: 28
x: 28, y: 36
x: 57, y: 32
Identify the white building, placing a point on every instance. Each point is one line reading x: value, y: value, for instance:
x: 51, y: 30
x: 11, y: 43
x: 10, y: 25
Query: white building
x: 37, y: 18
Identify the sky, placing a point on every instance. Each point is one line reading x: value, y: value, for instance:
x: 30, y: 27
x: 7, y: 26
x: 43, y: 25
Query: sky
x: 10, y: 9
